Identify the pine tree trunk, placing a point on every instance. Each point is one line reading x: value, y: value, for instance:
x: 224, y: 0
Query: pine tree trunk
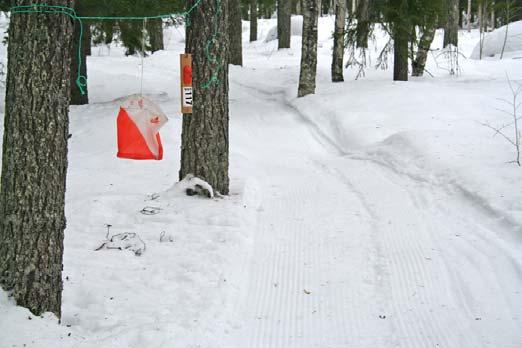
x: 338, y: 49
x: 155, y: 31
x: 253, y: 20
x: 309, y: 49
x: 204, y: 147
x: 299, y: 7
x: 284, y: 23
x: 235, y: 32
x: 87, y: 37
x: 451, y: 27
x: 400, y: 52
x: 363, y: 23
x: 77, y: 98
x: 423, y: 49
x: 34, y: 164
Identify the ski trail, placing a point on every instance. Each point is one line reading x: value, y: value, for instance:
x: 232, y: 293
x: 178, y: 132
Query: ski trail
x: 349, y: 253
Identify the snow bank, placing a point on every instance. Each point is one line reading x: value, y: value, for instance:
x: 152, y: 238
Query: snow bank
x: 494, y: 41
x: 297, y: 29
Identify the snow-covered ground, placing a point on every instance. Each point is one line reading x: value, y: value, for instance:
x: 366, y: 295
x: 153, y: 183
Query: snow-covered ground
x: 372, y: 214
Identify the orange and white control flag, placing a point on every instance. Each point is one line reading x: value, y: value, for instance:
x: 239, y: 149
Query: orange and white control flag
x: 139, y: 122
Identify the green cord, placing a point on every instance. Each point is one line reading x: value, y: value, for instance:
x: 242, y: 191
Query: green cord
x: 81, y: 81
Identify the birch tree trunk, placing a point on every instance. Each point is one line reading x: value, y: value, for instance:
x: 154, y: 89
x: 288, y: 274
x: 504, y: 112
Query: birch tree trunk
x: 34, y: 162
x: 235, y: 33
x: 309, y: 50
x: 338, y: 49
x: 284, y: 23
x: 204, y: 138
x: 253, y: 20
x: 423, y: 49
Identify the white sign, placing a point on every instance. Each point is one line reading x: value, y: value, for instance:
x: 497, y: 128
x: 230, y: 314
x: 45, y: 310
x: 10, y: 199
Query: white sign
x: 187, y: 97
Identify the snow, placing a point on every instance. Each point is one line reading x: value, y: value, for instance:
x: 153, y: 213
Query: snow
x: 371, y: 214
x: 296, y: 29
x: 494, y: 41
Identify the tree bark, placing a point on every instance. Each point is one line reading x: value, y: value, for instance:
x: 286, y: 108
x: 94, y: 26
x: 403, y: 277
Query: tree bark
x: 338, y: 49
x: 34, y: 164
x: 253, y: 20
x: 423, y: 49
x: 77, y: 98
x: 284, y: 23
x: 87, y: 38
x: 235, y: 32
x: 468, y: 16
x: 451, y: 27
x: 204, y: 139
x: 363, y: 23
x: 155, y: 31
x: 309, y: 49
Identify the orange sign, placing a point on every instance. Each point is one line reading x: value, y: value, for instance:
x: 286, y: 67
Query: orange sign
x: 187, y: 96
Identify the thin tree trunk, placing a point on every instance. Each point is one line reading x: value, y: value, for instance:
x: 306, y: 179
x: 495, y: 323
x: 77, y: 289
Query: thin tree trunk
x: 77, y: 98
x: 204, y: 139
x: 235, y: 32
x: 338, y: 49
x: 309, y: 49
x: 493, y: 16
x: 508, y: 15
x: 155, y: 31
x: 423, y: 49
x: 284, y: 23
x: 451, y: 27
x: 468, y: 16
x: 34, y: 164
x: 253, y: 20
x: 298, y: 7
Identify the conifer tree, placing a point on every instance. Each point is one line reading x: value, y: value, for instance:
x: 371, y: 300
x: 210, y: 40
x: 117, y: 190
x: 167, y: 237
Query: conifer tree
x: 34, y: 158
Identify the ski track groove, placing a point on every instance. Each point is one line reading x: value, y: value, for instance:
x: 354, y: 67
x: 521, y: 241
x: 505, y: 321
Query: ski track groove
x: 410, y: 267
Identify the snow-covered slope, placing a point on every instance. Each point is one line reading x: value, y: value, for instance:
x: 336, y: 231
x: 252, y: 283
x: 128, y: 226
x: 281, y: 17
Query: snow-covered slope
x: 507, y: 37
x: 372, y: 214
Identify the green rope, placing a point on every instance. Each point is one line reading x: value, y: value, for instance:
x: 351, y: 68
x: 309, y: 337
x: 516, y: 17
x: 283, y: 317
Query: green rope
x: 81, y: 81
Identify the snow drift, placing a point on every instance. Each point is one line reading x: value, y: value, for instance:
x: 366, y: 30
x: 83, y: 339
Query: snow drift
x: 494, y: 41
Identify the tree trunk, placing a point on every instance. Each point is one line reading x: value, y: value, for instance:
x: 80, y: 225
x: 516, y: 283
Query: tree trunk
x: 338, y: 49
x: 235, y: 32
x: 77, y: 98
x: 284, y: 23
x: 468, y: 16
x: 423, y: 49
x: 400, y: 51
x: 34, y: 164
x: 253, y: 20
x: 363, y: 23
x: 493, y: 17
x: 309, y: 49
x: 451, y: 27
x: 204, y: 139
x: 299, y: 7
x: 155, y: 31
x: 87, y: 38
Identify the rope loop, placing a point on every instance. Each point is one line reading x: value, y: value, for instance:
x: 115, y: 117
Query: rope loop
x: 81, y: 80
